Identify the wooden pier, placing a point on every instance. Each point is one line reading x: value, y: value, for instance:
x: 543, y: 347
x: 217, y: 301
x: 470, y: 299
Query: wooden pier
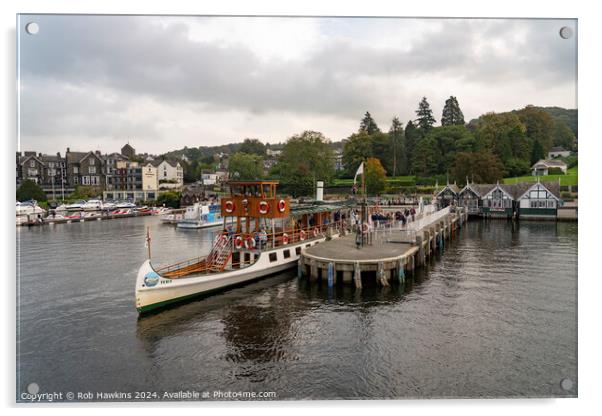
x: 391, y: 254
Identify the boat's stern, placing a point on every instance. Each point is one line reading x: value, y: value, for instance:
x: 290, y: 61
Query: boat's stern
x: 147, y: 278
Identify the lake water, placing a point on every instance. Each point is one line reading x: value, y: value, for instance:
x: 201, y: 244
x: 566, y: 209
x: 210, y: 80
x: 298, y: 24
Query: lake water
x: 495, y: 315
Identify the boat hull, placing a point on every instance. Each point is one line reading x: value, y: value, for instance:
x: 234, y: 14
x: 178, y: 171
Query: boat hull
x: 154, y: 291
x: 195, y: 225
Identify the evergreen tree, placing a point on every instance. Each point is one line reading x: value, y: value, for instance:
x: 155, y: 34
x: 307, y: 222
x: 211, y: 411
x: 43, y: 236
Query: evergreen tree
x: 368, y: 124
x: 397, y: 142
x: 538, y: 153
x: 425, y: 118
x: 411, y: 138
x: 452, y: 115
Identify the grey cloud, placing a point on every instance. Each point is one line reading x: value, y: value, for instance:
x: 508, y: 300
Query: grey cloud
x: 134, y: 57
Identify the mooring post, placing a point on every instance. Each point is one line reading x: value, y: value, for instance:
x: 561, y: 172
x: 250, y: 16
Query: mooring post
x: 300, y: 267
x: 357, y: 276
x: 381, y: 274
x: 401, y: 276
x: 420, y: 249
x: 313, y: 274
x: 330, y: 274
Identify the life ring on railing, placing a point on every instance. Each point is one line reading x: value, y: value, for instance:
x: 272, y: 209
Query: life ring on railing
x: 264, y: 207
x: 302, y: 235
x: 249, y: 242
x: 230, y: 207
x: 238, y: 242
x: 316, y: 232
x: 365, y: 227
x: 282, y: 205
x: 284, y: 238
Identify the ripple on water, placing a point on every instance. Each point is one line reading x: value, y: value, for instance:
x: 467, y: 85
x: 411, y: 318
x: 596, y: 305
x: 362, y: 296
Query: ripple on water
x: 494, y: 315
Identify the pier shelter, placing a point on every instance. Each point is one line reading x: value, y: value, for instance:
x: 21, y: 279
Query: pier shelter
x: 540, y: 201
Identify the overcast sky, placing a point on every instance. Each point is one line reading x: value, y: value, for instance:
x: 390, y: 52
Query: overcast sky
x: 162, y: 83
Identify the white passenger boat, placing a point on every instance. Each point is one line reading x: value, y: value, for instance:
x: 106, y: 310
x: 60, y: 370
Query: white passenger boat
x: 201, y: 216
x: 268, y: 238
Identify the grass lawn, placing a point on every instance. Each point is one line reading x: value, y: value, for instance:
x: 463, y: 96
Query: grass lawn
x: 391, y: 180
x: 565, y: 180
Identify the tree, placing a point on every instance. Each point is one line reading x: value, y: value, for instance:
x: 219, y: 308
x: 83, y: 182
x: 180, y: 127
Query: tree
x: 356, y: 149
x: 396, y: 136
x: 170, y: 199
x: 411, y: 138
x: 426, y: 157
x: 425, y: 118
x: 452, y: 115
x: 30, y: 190
x: 382, y: 150
x: 253, y: 146
x: 505, y: 135
x: 305, y: 159
x: 244, y: 166
x: 376, y: 177
x: 538, y: 153
x: 563, y: 135
x: 480, y: 167
x: 368, y: 124
x: 448, y: 139
x: 539, y: 125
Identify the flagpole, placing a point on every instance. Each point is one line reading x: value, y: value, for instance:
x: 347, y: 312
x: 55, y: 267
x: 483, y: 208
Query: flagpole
x: 148, y: 241
x: 365, y: 207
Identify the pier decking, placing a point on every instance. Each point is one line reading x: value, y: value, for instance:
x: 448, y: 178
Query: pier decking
x: 390, y: 254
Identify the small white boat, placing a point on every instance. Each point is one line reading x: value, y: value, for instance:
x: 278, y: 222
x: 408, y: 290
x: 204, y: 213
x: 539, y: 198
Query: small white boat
x: 28, y: 211
x: 171, y: 218
x: 76, y: 206
x: 92, y: 205
x: 108, y: 206
x: 124, y: 205
x: 201, y: 216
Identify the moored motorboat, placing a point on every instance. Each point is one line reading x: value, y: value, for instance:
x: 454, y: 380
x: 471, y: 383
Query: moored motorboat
x: 201, y: 216
x: 266, y: 237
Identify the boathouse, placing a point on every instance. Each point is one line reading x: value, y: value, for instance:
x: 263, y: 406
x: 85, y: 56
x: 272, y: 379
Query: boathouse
x: 540, y: 201
x: 471, y: 197
x: 499, y: 201
x: 446, y: 196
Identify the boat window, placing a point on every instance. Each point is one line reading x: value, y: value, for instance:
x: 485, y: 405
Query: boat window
x: 307, y: 245
x: 273, y: 257
x: 287, y: 254
x: 297, y: 250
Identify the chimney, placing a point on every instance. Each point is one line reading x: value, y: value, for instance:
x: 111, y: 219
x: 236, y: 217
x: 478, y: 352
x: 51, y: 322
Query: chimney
x: 68, y: 150
x: 58, y: 154
x: 319, y: 191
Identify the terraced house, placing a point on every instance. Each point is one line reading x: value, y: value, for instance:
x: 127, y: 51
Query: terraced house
x: 85, y: 168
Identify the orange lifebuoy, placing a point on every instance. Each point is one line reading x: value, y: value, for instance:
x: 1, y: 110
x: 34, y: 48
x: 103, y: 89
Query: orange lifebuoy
x: 230, y: 207
x: 238, y: 242
x: 302, y: 235
x: 284, y: 238
x: 264, y: 207
x: 249, y: 242
x: 365, y: 228
x: 282, y: 205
